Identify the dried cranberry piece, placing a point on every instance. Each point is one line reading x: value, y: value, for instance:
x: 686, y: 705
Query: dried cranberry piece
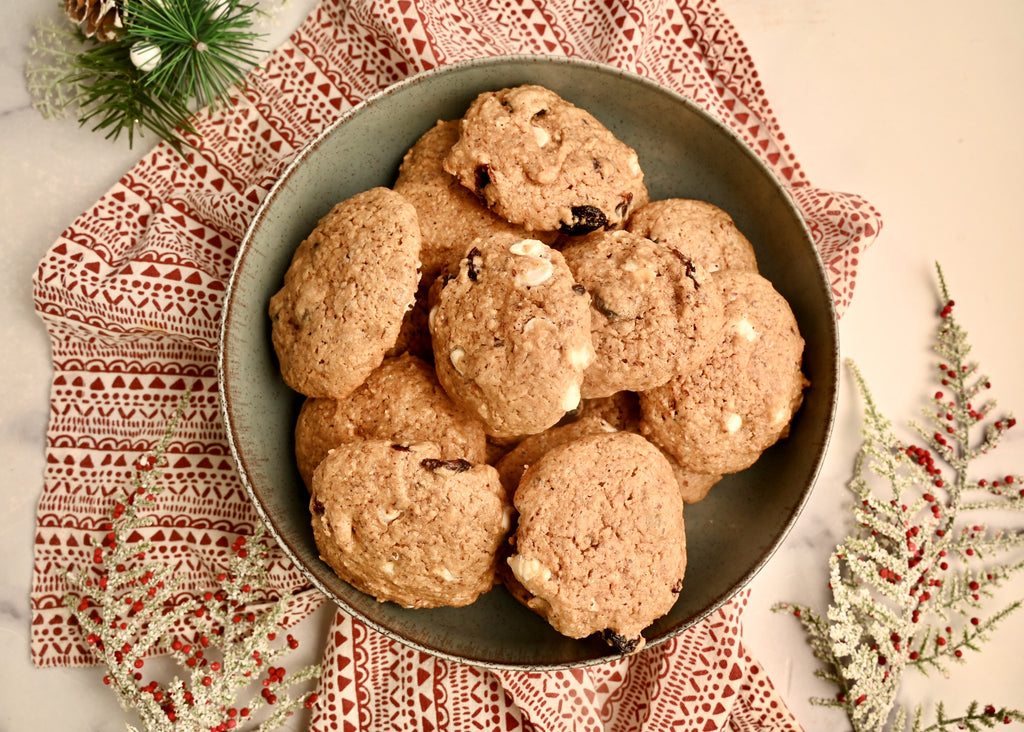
x: 623, y: 644
x: 456, y: 466
x: 623, y: 208
x: 602, y: 307
x: 474, y: 259
x: 584, y: 220
x: 691, y: 269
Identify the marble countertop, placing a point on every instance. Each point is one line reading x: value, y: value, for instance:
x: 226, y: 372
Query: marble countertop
x: 911, y: 105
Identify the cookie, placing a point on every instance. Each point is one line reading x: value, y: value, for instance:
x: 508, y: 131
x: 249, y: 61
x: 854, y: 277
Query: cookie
x: 346, y: 293
x: 600, y: 544
x: 401, y: 401
x: 621, y: 410
x: 450, y: 215
x: 723, y: 415
x: 541, y: 162
x: 514, y: 463
x: 693, y: 486
x: 698, y: 230
x: 402, y: 524
x: 655, y: 313
x: 511, y: 335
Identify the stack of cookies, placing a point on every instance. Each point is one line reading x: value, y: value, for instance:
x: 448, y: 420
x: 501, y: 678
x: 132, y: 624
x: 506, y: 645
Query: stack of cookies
x: 518, y: 369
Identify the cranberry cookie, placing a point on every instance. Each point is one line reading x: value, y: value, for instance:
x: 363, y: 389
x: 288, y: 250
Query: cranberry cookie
x: 654, y: 313
x: 698, y: 230
x: 401, y: 523
x: 541, y: 162
x: 511, y: 335
x: 401, y: 401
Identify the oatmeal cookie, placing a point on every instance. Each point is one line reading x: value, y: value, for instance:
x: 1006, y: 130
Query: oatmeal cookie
x: 511, y: 335
x: 402, y: 524
x: 654, y: 313
x: 698, y: 230
x: 541, y: 162
x: 723, y: 415
x: 600, y: 544
x: 346, y: 293
x: 450, y: 215
x: 401, y: 401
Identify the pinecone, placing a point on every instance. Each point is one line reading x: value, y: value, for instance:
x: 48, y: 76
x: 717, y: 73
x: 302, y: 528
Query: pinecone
x: 100, y: 19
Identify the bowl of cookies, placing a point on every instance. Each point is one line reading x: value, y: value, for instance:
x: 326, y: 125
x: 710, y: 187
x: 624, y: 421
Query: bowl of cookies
x: 528, y: 362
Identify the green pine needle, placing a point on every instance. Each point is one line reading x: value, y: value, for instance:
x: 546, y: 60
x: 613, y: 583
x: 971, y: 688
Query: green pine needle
x: 205, y: 46
x: 112, y: 97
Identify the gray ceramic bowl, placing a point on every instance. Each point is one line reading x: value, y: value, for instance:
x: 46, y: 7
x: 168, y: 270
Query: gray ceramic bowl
x: 684, y: 152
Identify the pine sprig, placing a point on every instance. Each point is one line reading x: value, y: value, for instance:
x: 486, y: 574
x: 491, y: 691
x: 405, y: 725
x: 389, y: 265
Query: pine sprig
x: 907, y: 583
x: 168, y: 58
x: 113, y: 98
x: 130, y: 607
x: 204, y: 45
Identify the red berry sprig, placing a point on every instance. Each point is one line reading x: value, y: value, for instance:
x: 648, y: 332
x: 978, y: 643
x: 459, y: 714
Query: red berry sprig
x: 129, y: 606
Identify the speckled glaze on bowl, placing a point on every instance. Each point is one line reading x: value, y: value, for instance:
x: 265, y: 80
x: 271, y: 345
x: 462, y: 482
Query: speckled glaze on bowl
x: 684, y: 153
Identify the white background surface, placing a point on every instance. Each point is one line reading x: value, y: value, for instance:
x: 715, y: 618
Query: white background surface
x: 914, y: 105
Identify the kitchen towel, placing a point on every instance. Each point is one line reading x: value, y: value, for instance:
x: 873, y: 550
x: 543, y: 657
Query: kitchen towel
x: 131, y: 295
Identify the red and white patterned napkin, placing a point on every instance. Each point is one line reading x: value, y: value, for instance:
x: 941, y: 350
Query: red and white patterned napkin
x: 131, y: 295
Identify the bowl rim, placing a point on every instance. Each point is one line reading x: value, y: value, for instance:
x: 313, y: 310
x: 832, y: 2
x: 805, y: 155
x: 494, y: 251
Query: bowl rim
x: 310, y: 147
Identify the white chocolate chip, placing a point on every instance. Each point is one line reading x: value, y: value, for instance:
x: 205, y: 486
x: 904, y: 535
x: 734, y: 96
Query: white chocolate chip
x: 388, y: 516
x: 640, y: 273
x: 530, y: 248
x: 580, y: 358
x: 388, y: 568
x: 446, y: 575
x: 541, y: 135
x: 527, y: 569
x: 782, y: 414
x: 534, y: 323
x: 733, y: 422
x: 536, y: 274
x: 538, y: 268
x: 571, y: 398
x: 506, y: 518
x: 634, y: 165
x: 744, y: 328
x: 430, y: 318
x: 455, y: 356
